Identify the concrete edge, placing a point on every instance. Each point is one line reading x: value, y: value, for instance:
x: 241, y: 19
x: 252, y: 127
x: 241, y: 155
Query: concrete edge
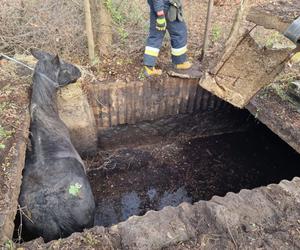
x: 277, y: 115
x: 171, y: 225
x: 15, y: 180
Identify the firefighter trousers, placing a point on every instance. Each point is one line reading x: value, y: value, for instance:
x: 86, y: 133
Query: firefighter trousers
x: 178, y: 35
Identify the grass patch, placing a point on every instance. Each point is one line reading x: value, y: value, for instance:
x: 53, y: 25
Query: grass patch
x: 116, y: 15
x: 129, y: 19
x: 216, y: 33
x: 4, y: 135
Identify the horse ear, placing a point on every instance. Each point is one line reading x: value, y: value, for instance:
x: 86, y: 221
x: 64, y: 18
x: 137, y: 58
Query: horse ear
x: 56, y: 60
x: 38, y: 54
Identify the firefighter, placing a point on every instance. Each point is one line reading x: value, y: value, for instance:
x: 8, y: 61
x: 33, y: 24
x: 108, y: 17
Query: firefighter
x: 166, y: 15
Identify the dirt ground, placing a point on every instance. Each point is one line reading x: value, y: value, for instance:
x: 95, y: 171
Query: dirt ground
x: 14, y: 129
x: 125, y: 62
x: 124, y: 59
x: 13, y: 104
x: 119, y: 65
x: 14, y: 94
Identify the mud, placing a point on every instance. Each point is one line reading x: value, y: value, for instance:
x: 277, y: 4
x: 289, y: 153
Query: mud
x: 133, y: 180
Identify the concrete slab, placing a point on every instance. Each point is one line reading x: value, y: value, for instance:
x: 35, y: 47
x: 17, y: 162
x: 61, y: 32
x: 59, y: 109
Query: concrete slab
x: 76, y: 113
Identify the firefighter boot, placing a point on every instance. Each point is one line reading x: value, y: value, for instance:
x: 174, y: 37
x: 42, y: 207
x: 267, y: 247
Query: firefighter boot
x: 184, y: 66
x: 152, y: 71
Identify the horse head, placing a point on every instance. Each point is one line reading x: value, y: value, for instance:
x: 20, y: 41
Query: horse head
x: 53, y: 67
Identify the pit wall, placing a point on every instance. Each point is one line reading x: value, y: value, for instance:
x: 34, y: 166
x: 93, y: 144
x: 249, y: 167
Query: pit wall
x: 114, y: 104
x: 119, y: 103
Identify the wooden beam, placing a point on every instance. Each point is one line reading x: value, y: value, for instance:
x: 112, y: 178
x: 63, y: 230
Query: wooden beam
x: 89, y: 31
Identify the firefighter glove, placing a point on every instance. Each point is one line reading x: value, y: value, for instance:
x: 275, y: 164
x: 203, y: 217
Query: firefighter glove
x: 161, y: 23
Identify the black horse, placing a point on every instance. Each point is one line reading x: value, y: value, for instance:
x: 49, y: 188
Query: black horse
x: 55, y: 194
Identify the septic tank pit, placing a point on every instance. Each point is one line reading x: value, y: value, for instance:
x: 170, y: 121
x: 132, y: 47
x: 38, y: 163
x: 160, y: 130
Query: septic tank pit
x: 133, y: 179
x: 194, y: 146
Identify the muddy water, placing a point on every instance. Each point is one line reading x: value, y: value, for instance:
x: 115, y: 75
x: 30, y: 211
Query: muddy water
x: 133, y: 180
x: 111, y: 211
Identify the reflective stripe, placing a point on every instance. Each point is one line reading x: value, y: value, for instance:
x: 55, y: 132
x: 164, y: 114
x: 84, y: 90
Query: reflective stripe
x: 151, y: 51
x: 179, y: 52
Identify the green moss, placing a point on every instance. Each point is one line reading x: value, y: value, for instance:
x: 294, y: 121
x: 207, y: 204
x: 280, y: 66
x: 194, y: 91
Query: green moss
x: 9, y: 245
x: 4, y: 135
x: 90, y: 240
x: 273, y: 39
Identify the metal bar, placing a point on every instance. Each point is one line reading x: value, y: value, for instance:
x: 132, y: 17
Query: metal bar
x: 24, y: 65
x: 16, y: 61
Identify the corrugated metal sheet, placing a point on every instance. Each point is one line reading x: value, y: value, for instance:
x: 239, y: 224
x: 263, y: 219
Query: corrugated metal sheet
x: 119, y: 103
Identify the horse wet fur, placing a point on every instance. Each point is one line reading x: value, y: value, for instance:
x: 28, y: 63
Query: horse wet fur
x: 55, y: 196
